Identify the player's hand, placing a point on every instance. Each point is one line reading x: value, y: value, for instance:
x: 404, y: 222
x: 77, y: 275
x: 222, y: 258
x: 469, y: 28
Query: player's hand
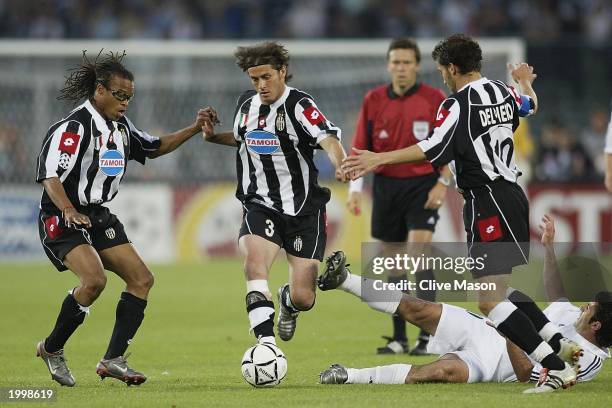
x: 522, y: 72
x: 436, y: 196
x: 341, y: 175
x: 354, y: 202
x: 548, y: 230
x: 73, y: 218
x: 363, y: 162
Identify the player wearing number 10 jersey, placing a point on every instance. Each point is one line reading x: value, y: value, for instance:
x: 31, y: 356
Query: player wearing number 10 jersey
x: 474, y: 127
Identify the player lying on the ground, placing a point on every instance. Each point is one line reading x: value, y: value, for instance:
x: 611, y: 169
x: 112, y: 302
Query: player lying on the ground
x: 473, y: 351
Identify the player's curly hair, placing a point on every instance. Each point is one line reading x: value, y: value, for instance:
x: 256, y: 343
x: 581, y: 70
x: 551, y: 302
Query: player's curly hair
x: 405, y: 44
x: 81, y: 81
x: 603, y: 314
x: 459, y: 50
x: 265, y: 53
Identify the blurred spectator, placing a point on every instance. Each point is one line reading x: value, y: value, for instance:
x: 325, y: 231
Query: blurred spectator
x: 594, y: 137
x: 561, y: 157
x: 536, y: 20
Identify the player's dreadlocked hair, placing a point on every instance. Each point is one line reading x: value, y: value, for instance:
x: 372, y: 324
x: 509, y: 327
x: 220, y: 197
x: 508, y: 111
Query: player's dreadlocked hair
x: 459, y: 50
x: 265, y: 53
x: 82, y: 80
x: 603, y: 314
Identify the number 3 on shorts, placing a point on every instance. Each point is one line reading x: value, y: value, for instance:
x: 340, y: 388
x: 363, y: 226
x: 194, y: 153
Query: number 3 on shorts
x: 270, y: 229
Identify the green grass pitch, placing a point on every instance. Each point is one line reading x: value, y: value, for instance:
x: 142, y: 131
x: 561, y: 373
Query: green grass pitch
x: 194, y: 335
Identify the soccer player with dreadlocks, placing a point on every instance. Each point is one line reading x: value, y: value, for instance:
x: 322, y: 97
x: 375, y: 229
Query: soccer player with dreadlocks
x: 81, y: 164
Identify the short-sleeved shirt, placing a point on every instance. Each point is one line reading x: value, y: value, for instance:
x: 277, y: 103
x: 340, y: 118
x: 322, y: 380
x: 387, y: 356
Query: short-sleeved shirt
x: 89, y: 155
x: 388, y: 121
x: 276, y: 144
x: 475, y: 127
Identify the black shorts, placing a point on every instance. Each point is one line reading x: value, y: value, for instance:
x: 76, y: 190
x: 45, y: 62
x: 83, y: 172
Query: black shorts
x: 303, y: 237
x: 398, y: 205
x: 57, y: 239
x: 496, y: 218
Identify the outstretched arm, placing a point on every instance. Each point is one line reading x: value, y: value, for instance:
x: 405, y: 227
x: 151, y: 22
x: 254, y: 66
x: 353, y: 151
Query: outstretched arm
x: 173, y: 140
x: 552, y: 279
x: 336, y: 154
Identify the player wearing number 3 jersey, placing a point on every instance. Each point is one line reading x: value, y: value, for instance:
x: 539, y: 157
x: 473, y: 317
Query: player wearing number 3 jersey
x: 276, y: 130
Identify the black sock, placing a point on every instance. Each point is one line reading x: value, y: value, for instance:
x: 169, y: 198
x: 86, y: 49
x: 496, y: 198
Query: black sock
x: 537, y: 317
x: 129, y: 315
x: 518, y: 328
x: 70, y: 317
x: 399, y: 324
x: 263, y: 326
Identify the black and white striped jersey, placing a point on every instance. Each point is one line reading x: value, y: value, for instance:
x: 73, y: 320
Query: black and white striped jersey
x: 475, y: 128
x: 274, y: 161
x: 564, y: 314
x: 89, y: 155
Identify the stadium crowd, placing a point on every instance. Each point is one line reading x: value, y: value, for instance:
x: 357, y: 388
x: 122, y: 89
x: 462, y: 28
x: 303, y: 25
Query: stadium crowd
x: 534, y: 20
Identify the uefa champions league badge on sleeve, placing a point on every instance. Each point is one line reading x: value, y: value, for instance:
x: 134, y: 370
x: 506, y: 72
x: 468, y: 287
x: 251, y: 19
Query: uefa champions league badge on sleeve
x: 262, y: 142
x: 112, y: 163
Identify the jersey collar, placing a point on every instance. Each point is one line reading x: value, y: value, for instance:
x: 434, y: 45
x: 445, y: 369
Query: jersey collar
x: 392, y: 95
x: 101, y: 123
x: 480, y: 80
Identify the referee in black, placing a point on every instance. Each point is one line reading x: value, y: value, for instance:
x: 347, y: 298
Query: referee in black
x: 81, y: 163
x: 474, y: 127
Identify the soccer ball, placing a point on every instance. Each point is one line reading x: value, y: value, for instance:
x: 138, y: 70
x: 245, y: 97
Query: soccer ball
x: 264, y: 365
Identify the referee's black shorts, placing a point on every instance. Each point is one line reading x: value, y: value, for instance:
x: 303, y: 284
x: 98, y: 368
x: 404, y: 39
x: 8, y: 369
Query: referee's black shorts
x: 496, y: 218
x: 398, y: 206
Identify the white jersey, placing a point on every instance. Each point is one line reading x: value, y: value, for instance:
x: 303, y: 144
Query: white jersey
x: 564, y: 314
x: 468, y: 336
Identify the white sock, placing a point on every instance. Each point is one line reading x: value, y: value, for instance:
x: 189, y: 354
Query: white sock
x: 352, y: 285
x: 548, y: 331
x: 389, y: 374
x: 267, y: 339
x: 259, y: 285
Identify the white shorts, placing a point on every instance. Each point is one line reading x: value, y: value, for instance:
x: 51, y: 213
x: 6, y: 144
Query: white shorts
x: 468, y: 336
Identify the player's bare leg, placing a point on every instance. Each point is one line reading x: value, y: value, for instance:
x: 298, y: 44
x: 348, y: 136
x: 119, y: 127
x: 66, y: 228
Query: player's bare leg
x: 397, y: 343
x: 419, y: 243
x: 298, y: 295
x: 448, y: 369
x: 125, y: 261
x: 84, y: 262
x: 259, y: 254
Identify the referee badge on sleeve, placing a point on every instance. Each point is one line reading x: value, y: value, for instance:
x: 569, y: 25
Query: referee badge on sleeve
x: 420, y: 129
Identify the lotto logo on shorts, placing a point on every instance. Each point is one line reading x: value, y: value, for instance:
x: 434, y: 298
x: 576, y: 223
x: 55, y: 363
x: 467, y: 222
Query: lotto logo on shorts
x: 490, y: 229
x: 112, y: 163
x: 262, y: 142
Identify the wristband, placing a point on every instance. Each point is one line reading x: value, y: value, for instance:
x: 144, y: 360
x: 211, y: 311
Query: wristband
x: 356, y: 185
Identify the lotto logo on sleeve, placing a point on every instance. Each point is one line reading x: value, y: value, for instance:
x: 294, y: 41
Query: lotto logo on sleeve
x: 69, y: 142
x: 490, y: 229
x: 313, y: 115
x: 262, y: 142
x: 441, y: 117
x: 112, y: 163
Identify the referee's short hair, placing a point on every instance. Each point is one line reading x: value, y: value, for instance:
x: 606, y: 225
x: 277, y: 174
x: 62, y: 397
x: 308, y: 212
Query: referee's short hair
x: 268, y: 52
x: 405, y: 44
x: 459, y: 50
